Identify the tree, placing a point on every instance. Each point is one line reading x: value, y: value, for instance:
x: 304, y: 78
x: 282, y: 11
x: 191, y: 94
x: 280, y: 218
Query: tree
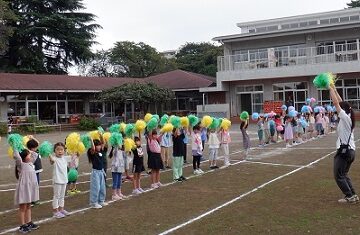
x: 6, y: 31
x: 49, y: 36
x: 199, y: 58
x: 98, y: 66
x: 353, y: 4
x: 137, y: 60
x: 140, y: 93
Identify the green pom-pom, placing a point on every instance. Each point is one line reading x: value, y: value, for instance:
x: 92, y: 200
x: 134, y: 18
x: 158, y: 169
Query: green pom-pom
x: 72, y: 175
x: 152, y: 124
x: 101, y: 130
x: 86, y: 140
x: 156, y: 116
x: 116, y: 139
x: 114, y: 128
x: 16, y: 142
x: 244, y: 115
x: 175, y: 121
x: 129, y: 130
x: 45, y: 149
x: 322, y: 81
x: 193, y: 120
x: 164, y: 119
x: 215, y: 124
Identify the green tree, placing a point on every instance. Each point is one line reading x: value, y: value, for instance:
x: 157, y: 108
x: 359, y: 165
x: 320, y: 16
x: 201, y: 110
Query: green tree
x: 140, y: 93
x: 199, y: 58
x: 353, y: 4
x: 6, y: 30
x: 98, y: 66
x: 137, y: 60
x: 49, y: 36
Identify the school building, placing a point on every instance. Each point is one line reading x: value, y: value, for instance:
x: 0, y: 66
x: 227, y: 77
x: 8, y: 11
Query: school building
x: 58, y: 99
x: 277, y: 60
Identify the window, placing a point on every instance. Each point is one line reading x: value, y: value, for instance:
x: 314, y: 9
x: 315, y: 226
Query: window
x: 325, y: 21
x: 61, y: 107
x: 354, y: 18
x: 96, y: 107
x: 334, y: 20
x: 32, y: 108
x: 17, y: 108
x: 350, y: 82
x: 344, y: 19
x: 75, y: 107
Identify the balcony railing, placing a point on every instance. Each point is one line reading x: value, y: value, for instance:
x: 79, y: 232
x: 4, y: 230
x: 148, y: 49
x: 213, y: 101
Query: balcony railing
x: 288, y: 56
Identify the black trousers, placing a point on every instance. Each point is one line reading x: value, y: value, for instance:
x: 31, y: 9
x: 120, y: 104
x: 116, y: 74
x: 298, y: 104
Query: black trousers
x: 196, y: 162
x: 341, y: 169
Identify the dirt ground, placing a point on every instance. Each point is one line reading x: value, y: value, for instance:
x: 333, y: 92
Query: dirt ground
x: 302, y: 202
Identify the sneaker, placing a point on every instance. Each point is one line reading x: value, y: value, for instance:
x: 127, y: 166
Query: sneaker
x: 196, y: 172
x: 71, y: 192
x: 104, y: 204
x: 200, y: 171
x: 154, y: 186
x: 159, y: 184
x: 215, y: 167
x: 24, y: 228
x: 141, y: 190
x: 212, y: 167
x: 77, y: 191
x: 32, y: 226
x: 122, y: 196
x: 356, y: 197
x: 115, y: 197
x: 96, y: 206
x: 351, y: 199
x: 58, y: 215
x: 64, y: 212
x: 35, y: 203
x: 178, y: 180
x: 288, y: 146
x: 183, y: 178
x: 136, y: 192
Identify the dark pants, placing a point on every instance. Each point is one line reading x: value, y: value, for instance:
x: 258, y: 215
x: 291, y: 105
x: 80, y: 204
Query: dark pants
x: 185, y: 151
x: 38, y: 178
x: 196, y: 162
x: 341, y: 169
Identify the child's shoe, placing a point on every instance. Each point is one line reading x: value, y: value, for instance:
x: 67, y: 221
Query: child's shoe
x: 24, y: 228
x: 115, y: 197
x: 64, y: 212
x: 141, y: 190
x: 96, y: 206
x: 32, y: 226
x: 136, y: 192
x: 104, y: 204
x: 58, y: 215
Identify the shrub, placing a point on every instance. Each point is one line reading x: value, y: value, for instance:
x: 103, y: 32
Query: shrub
x: 88, y: 124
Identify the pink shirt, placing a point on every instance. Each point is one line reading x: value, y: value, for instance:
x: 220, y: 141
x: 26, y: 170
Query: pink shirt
x: 154, y: 146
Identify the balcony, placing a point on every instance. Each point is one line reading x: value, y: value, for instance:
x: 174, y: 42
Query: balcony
x: 290, y: 61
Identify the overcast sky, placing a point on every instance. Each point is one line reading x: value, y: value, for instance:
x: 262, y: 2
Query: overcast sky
x: 168, y: 24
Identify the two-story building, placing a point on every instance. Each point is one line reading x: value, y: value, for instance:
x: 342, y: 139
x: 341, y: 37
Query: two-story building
x: 277, y: 59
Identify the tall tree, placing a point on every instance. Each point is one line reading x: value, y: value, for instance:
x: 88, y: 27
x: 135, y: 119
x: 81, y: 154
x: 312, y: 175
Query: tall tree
x: 137, y: 60
x: 98, y: 66
x: 199, y: 58
x: 6, y: 15
x: 49, y: 36
x: 353, y: 4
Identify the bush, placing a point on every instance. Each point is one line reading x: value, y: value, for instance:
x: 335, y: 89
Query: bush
x: 3, y: 128
x: 88, y: 124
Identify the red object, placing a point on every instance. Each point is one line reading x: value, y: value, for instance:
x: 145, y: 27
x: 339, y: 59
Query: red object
x: 271, y: 105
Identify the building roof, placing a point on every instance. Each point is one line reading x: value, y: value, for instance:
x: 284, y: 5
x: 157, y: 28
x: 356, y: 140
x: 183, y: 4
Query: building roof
x: 178, y: 79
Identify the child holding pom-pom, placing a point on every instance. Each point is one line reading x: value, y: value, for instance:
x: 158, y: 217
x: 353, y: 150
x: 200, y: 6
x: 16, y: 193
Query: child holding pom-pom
x: 60, y: 179
x: 197, y: 149
x: 32, y: 145
x: 117, y: 169
x: 224, y: 142
x: 178, y: 154
x: 27, y: 189
x: 138, y: 165
x: 155, y: 162
x: 73, y: 164
x: 288, y: 133
x: 246, y: 139
x: 214, y: 144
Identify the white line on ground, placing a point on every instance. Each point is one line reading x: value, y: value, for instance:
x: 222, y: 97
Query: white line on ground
x: 272, y: 164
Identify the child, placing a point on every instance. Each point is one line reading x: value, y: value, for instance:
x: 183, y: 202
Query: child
x: 73, y: 164
x: 311, y: 121
x: 279, y: 127
x: 272, y: 129
x: 60, y: 179
x: 214, y: 145
x: 266, y: 130
x: 225, y: 140
x: 246, y: 139
x: 197, y: 149
x: 186, y: 141
x: 138, y: 165
x: 299, y: 129
x: 326, y: 123
x: 97, y: 180
x: 117, y: 169
x: 32, y: 145
x: 155, y: 162
x: 128, y: 159
x: 27, y: 189
x: 178, y: 155
x: 165, y: 144
x: 288, y: 133
x: 104, y: 152
x: 204, y: 137
x: 318, y: 123
x: 260, y: 124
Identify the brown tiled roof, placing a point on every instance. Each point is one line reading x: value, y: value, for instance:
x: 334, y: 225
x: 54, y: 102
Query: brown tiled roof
x: 177, y: 79
x: 180, y: 79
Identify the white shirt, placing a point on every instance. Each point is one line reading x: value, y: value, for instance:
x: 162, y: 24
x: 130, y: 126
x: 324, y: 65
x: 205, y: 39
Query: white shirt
x: 60, y: 175
x: 344, y: 131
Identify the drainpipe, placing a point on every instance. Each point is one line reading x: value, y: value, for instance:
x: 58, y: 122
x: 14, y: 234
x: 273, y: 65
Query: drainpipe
x: 203, y: 106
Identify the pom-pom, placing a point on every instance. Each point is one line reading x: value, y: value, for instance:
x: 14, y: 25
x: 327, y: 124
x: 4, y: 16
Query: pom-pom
x: 129, y: 144
x: 72, y: 141
x: 140, y: 125
x: 10, y: 152
x: 317, y: 109
x: 291, y: 108
x: 215, y: 123
x: 25, y: 140
x: 115, y: 128
x: 116, y: 139
x: 305, y: 109
x: 95, y: 135
x: 334, y: 109
x: 255, y: 116
x: 86, y: 140
x: 272, y: 114
x: 122, y: 127
x: 45, y: 149
x: 184, y: 121
x: 266, y: 115
x: 329, y: 108
x: 147, y: 117
x: 168, y: 127
x: 101, y: 130
x: 175, y: 121
x: 72, y: 175
x: 283, y: 107
x: 244, y: 116
x: 129, y: 130
x: 164, y: 119
x: 312, y: 100
x: 225, y: 124
x: 106, y: 136
x: 157, y: 117
x: 279, y: 128
x: 152, y: 124
x: 304, y: 123
x: 308, y: 101
x: 292, y: 113
x: 206, y: 121
x: 81, y: 148
x: 16, y: 142
x: 193, y: 120
x: 324, y: 80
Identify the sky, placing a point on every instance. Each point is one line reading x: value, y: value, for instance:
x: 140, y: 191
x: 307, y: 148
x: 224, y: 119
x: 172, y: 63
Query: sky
x: 169, y: 24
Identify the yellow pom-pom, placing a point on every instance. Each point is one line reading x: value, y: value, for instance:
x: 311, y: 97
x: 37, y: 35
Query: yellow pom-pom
x: 25, y: 140
x: 184, y: 121
x: 140, y: 125
x: 147, y: 117
x: 10, y: 153
x: 225, y: 124
x: 129, y: 144
x: 72, y: 141
x: 81, y: 148
x: 206, y: 121
x: 95, y: 135
x: 122, y: 127
x: 106, y: 136
x: 168, y: 127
